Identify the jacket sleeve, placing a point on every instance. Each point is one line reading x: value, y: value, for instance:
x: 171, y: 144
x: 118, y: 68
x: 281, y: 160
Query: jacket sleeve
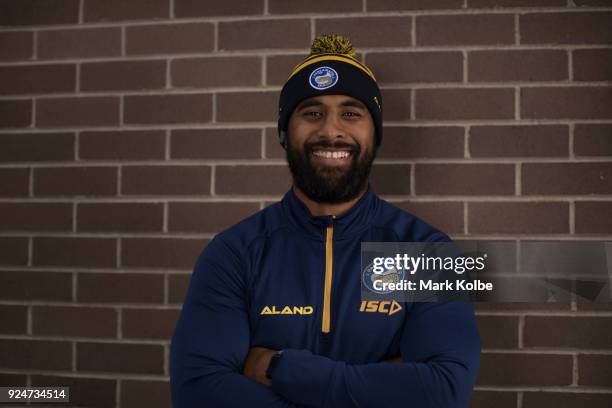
x: 440, y: 347
x: 211, y: 339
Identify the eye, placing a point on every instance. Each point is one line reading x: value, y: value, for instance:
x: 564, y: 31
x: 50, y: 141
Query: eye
x: 312, y: 114
x: 352, y: 114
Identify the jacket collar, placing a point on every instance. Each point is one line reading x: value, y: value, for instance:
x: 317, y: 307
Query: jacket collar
x: 356, y: 219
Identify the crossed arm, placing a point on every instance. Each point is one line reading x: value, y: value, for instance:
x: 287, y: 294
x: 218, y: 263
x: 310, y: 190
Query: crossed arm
x: 212, y: 363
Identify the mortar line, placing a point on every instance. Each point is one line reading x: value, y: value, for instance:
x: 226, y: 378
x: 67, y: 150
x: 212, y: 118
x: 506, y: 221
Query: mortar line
x: 214, y: 108
x: 521, y: 331
x: 74, y: 217
x: 34, y: 112
x: 215, y: 36
x: 118, y: 393
x: 30, y: 251
x: 81, y: 11
x: 71, y: 374
x: 518, y: 176
x: 74, y: 355
x: 166, y: 359
x: 77, y: 79
x: 570, y: 64
x: 517, y: 103
x: 29, y: 322
x: 329, y: 16
x: 31, y: 181
x: 264, y: 69
x: 118, y: 252
x: 157, y: 377
x: 466, y: 142
x: 121, y: 107
x: 166, y: 289
x: 119, y: 323
x: 475, y: 161
x: 575, y: 372
x: 74, y: 281
x: 34, y: 54
x: 572, y: 217
x: 151, y: 306
x: 284, y: 52
x: 517, y: 30
x: 187, y: 273
x: 123, y: 41
x: 77, y: 145
x: 572, y: 141
x: 168, y: 73
x: 412, y: 180
x: 167, y: 145
x: 212, y: 180
x: 119, y: 179
x: 263, y: 143
x: 313, y: 29
x: 465, y: 68
x: 413, y: 32
x: 517, y: 256
x: 465, y: 218
x: 257, y: 197
x: 81, y: 339
x: 506, y: 86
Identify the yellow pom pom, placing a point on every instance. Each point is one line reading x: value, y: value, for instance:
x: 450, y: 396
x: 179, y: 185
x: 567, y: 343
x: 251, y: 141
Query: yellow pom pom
x: 332, y: 44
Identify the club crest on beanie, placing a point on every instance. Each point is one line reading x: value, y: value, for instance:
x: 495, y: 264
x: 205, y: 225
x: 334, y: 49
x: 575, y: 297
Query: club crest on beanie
x: 331, y: 68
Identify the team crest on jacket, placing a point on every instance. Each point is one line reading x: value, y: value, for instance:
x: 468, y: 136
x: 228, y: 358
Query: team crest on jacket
x: 323, y: 78
x: 368, y: 277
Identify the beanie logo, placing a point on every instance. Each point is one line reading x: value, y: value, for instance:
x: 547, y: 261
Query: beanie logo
x: 323, y: 78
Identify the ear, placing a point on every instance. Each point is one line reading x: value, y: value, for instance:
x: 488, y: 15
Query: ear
x: 282, y: 138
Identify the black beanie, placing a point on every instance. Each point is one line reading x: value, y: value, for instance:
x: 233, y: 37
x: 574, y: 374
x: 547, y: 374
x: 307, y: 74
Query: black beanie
x: 330, y: 69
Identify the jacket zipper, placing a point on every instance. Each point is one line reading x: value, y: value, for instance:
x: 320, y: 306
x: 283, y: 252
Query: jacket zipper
x: 329, y: 261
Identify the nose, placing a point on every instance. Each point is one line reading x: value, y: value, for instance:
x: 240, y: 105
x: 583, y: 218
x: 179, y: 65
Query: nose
x: 331, y: 128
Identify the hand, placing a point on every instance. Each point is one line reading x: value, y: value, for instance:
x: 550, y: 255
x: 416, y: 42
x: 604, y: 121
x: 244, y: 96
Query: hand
x: 257, y: 363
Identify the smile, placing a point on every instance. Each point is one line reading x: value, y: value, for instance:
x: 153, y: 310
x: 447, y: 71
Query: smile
x: 331, y: 154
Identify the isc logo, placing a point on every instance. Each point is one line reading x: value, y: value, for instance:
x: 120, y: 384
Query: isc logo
x: 373, y: 306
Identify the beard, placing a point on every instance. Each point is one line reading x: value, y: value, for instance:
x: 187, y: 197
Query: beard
x: 329, y: 184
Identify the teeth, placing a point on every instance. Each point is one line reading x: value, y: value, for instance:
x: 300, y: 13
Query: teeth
x: 331, y: 155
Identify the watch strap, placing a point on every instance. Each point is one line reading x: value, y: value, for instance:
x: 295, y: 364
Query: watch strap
x: 273, y: 363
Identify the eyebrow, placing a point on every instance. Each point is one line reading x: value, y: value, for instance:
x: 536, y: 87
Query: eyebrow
x: 353, y: 103
x: 308, y: 103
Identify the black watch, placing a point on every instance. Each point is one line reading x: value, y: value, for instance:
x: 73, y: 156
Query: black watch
x: 273, y: 362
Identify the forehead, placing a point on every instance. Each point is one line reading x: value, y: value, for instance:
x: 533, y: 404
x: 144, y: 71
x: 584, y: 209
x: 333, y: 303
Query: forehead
x: 331, y: 100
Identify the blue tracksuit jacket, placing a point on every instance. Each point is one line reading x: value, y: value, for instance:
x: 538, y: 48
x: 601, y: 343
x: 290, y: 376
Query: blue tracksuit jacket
x: 284, y: 279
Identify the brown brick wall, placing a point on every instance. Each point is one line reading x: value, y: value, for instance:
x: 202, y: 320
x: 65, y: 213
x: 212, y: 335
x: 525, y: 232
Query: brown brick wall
x: 113, y: 175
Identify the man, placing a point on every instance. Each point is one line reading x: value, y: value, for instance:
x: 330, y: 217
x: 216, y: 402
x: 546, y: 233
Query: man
x: 273, y: 315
